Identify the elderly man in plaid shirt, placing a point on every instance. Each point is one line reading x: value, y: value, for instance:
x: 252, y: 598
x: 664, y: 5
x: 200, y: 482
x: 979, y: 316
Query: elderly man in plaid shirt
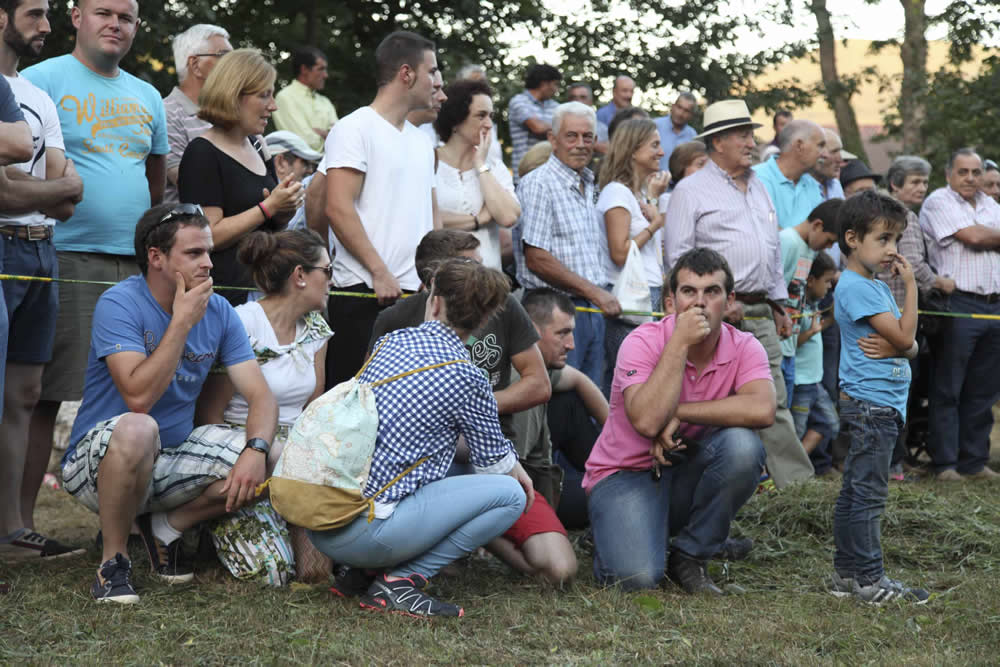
x: 964, y: 229
x: 560, y: 236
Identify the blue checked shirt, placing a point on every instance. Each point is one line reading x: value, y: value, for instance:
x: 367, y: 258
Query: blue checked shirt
x: 522, y: 107
x: 423, y: 414
x: 559, y: 216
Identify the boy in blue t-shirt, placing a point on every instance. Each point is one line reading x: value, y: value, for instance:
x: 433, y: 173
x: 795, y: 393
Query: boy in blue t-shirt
x: 816, y: 421
x: 874, y: 383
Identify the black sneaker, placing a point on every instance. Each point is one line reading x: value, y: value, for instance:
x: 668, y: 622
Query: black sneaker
x: 406, y: 596
x: 734, y: 548
x: 165, y: 559
x: 350, y: 582
x: 30, y: 545
x: 691, y: 574
x: 886, y: 590
x: 114, y: 582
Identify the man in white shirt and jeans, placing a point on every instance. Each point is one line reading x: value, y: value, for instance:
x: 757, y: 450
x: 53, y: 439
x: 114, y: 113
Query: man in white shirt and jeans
x: 379, y: 184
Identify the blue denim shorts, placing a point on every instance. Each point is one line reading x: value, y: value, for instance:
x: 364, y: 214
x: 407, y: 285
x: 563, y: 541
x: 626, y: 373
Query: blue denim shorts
x: 32, y: 307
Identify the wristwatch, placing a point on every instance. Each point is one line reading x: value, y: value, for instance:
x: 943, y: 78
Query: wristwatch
x: 258, y: 444
x: 485, y: 168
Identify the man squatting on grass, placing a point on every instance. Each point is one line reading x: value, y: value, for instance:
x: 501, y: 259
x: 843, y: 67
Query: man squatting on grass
x: 689, y: 378
x: 135, y: 451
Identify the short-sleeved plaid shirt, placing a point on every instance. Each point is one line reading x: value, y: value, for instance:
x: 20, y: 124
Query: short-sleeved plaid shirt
x: 522, y: 107
x: 424, y: 413
x: 558, y: 215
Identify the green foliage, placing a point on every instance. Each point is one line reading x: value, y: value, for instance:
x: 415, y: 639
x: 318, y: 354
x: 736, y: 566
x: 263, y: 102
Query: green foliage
x: 960, y: 111
x: 660, y: 43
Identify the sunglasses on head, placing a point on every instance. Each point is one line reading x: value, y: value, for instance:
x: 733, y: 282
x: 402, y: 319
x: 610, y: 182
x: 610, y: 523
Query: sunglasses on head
x: 178, y: 211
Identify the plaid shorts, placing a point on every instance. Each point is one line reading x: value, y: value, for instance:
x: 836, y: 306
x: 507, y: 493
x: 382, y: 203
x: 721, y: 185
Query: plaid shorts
x: 180, y: 473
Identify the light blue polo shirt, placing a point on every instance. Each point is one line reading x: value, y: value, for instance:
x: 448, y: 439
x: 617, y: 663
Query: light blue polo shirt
x: 793, y: 202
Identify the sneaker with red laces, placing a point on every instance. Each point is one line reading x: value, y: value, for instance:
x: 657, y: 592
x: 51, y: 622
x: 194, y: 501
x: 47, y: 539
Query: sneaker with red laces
x: 29, y: 545
x: 406, y: 596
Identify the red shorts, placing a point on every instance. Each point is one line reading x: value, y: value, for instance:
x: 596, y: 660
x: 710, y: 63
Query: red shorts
x: 541, y: 518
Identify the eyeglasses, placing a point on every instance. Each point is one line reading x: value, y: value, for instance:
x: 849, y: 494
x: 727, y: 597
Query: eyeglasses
x: 328, y: 269
x: 178, y: 211
x: 217, y: 54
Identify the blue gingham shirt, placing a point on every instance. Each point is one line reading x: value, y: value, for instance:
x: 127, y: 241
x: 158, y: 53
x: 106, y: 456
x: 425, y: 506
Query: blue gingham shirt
x: 423, y: 414
x: 559, y: 216
x: 522, y: 107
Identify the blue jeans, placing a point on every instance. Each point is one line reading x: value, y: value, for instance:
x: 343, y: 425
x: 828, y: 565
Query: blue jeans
x: 965, y: 386
x: 615, y: 332
x: 788, y: 372
x: 433, y: 526
x: 587, y: 356
x: 812, y: 409
x: 857, y: 515
x: 633, y: 516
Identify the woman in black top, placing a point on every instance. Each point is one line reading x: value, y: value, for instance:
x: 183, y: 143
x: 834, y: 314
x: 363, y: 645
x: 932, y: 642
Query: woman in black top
x: 223, y: 170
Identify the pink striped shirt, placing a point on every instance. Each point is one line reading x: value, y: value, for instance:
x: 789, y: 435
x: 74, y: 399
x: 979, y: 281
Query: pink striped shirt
x: 708, y: 210
x: 943, y: 214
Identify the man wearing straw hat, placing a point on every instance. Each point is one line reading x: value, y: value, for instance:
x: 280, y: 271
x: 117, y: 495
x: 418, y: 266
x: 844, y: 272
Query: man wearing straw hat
x: 725, y: 207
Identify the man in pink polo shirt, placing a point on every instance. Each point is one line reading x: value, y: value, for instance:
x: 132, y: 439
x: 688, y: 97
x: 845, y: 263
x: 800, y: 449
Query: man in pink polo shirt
x: 688, y: 378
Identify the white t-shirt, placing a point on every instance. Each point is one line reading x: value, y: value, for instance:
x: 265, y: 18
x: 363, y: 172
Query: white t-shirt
x: 43, y: 119
x: 289, y: 369
x: 459, y: 192
x: 395, y: 203
x: 617, y: 195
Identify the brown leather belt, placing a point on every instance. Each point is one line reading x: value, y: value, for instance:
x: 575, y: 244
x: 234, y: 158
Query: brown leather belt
x: 751, y: 298
x: 28, y: 232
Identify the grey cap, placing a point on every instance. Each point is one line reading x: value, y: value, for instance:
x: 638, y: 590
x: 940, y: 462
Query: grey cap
x: 284, y: 141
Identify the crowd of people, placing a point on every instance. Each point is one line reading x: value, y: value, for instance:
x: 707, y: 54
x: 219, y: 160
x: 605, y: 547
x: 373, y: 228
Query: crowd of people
x: 788, y: 279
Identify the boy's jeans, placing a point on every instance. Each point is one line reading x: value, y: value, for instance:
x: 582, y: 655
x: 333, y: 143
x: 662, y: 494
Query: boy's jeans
x: 872, y: 430
x: 812, y: 409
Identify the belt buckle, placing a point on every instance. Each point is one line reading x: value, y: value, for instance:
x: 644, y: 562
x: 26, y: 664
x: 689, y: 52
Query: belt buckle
x: 37, y: 233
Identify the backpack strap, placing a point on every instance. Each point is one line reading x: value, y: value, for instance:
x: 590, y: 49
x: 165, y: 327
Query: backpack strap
x: 371, y: 501
x: 376, y: 383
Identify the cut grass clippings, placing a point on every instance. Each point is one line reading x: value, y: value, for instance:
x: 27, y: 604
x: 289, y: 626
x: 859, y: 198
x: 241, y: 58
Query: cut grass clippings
x: 943, y: 537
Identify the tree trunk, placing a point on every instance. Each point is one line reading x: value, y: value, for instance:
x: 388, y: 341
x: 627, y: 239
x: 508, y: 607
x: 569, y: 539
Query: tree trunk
x: 312, y: 25
x: 913, y: 52
x: 837, y: 94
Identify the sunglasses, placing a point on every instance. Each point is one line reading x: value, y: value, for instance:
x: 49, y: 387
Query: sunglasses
x: 328, y: 269
x: 217, y: 54
x: 178, y: 211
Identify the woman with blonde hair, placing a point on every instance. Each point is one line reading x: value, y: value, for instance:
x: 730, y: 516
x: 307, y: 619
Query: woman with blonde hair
x: 224, y: 169
x: 630, y: 182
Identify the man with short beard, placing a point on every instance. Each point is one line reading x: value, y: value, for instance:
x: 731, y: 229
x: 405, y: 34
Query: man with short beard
x: 114, y: 129
x: 35, y: 194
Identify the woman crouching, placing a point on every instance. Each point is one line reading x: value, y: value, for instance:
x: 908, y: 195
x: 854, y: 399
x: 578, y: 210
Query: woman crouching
x: 425, y: 521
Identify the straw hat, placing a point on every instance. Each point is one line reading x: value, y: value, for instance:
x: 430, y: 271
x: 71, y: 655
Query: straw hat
x: 726, y: 115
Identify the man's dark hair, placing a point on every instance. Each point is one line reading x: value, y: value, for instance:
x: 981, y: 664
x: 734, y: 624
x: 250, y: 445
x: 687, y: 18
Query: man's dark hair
x: 702, y: 262
x: 400, y: 48
x: 967, y: 151
x: 157, y: 228
x: 439, y: 245
x: 861, y: 211
x: 828, y: 212
x: 455, y: 109
x: 780, y: 113
x: 305, y: 56
x: 541, y: 302
x: 822, y: 263
x: 628, y: 113
x: 10, y: 6
x: 540, y: 73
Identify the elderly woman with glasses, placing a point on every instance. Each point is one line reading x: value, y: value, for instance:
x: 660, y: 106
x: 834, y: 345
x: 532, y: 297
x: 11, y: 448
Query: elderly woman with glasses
x: 224, y: 169
x: 289, y: 338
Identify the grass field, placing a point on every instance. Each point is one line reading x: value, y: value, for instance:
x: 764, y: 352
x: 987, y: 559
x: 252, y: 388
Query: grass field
x: 946, y: 538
